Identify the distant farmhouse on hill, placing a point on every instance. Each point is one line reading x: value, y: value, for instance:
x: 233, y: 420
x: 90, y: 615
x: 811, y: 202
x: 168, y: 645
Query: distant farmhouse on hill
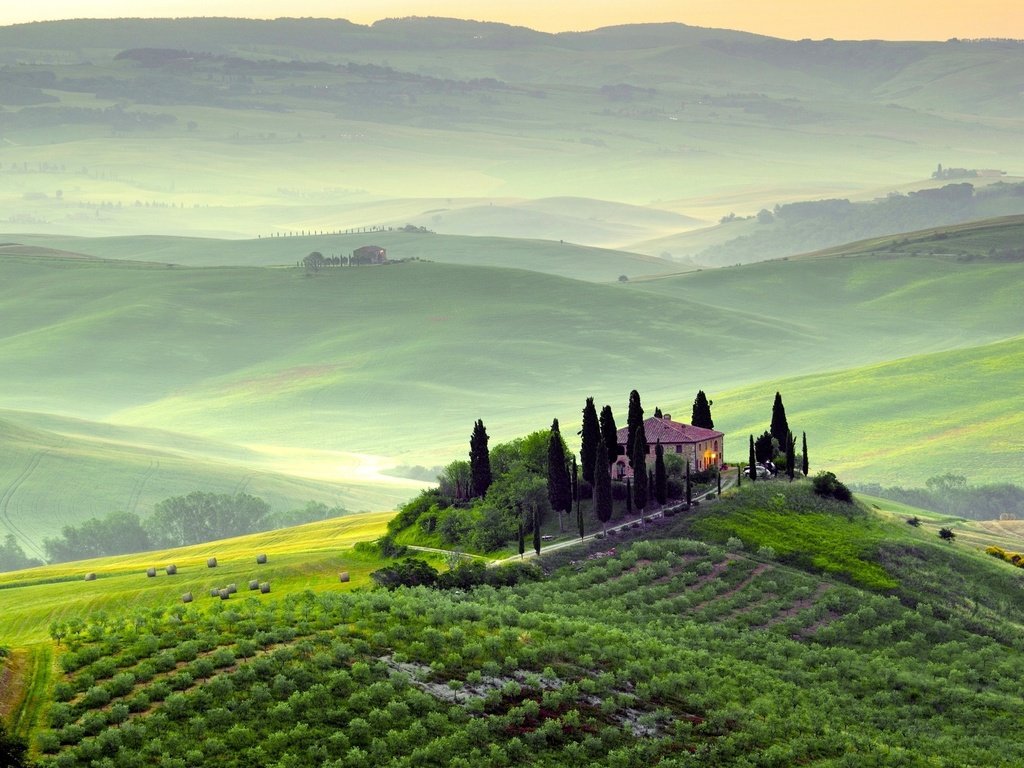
x: 369, y: 254
x: 702, y: 448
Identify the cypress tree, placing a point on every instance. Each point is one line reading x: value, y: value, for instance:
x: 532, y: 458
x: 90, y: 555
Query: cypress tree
x: 689, y: 486
x: 640, y: 471
x: 590, y: 434
x: 780, y: 427
x: 602, y: 487
x: 701, y: 416
x: 660, y: 476
x: 753, y: 461
x: 479, y: 459
x: 576, y: 484
x: 634, y: 420
x: 536, y: 529
x: 739, y: 476
x: 609, y: 433
x: 579, y: 518
x: 629, y: 498
x: 657, y: 413
x: 791, y: 457
x: 559, y: 487
x: 805, y: 465
x: 522, y: 536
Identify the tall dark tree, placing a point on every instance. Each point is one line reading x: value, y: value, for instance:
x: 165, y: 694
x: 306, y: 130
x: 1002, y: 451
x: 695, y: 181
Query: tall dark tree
x: 479, y: 459
x: 752, y: 460
x: 701, y: 416
x: 590, y: 434
x: 790, y: 456
x: 629, y: 498
x: 559, y: 485
x: 780, y: 427
x: 609, y: 433
x: 657, y: 413
x: 602, y: 486
x: 536, y: 530
x: 634, y: 421
x: 576, y: 484
x: 660, y: 475
x: 640, y: 490
x: 579, y: 511
x: 805, y: 466
x: 522, y: 536
x: 689, y: 486
x: 764, y: 447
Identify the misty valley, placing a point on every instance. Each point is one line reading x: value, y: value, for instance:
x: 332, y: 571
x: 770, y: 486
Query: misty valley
x: 449, y: 393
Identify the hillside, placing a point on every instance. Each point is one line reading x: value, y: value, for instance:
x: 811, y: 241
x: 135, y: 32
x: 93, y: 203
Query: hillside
x: 793, y: 228
x: 273, y: 372
x: 58, y: 471
x: 543, y: 256
x: 231, y: 128
x: 657, y: 653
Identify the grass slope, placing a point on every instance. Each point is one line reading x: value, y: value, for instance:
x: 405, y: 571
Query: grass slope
x: 340, y: 375
x: 666, y: 652
x: 307, y: 557
x: 543, y: 256
x: 58, y: 471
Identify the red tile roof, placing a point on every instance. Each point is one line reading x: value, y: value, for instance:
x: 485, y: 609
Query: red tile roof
x: 670, y: 432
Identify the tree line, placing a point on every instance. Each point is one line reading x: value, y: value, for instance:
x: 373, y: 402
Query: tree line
x: 177, y: 521
x: 951, y: 494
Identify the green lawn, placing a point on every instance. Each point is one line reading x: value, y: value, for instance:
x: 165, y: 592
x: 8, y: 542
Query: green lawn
x: 307, y: 557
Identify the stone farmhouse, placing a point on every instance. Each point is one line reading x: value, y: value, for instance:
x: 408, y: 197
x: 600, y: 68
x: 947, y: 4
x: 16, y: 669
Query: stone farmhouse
x: 702, y: 448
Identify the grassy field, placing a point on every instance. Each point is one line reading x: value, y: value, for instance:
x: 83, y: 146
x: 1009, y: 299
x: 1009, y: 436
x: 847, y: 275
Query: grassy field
x: 307, y: 557
x: 671, y: 634
x: 542, y: 256
x: 272, y: 380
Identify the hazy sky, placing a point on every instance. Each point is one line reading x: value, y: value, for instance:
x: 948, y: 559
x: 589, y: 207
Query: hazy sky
x: 845, y: 19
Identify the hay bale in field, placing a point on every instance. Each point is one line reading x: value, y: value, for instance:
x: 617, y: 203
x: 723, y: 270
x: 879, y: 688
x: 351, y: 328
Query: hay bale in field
x: 224, y: 594
x: 254, y: 584
x: 343, y: 577
x: 187, y: 597
x: 90, y: 577
x: 261, y: 559
x: 232, y: 588
x: 151, y: 572
x: 215, y: 592
x: 265, y: 587
x: 211, y: 562
x: 171, y: 570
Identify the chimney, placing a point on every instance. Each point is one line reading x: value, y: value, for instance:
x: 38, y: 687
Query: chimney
x: 667, y: 417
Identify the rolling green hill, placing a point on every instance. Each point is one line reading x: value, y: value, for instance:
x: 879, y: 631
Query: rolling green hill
x: 739, y: 633
x: 544, y: 256
x: 59, y: 471
x: 341, y: 375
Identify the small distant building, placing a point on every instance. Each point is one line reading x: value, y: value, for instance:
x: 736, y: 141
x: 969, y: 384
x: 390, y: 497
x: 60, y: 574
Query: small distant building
x: 702, y: 448
x: 369, y: 254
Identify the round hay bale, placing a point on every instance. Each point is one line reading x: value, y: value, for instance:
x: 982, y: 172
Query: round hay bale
x: 90, y: 577
x: 254, y: 584
x: 261, y: 559
x: 232, y: 588
x: 211, y: 562
x: 187, y: 597
x: 171, y: 570
x: 214, y: 592
x: 224, y: 594
x: 343, y: 577
x: 265, y: 587
x: 151, y: 572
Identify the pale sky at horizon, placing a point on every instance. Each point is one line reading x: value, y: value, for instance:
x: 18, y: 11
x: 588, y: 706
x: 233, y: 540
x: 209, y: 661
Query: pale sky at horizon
x: 793, y: 19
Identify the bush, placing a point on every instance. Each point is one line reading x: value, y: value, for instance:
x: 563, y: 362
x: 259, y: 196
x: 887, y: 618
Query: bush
x: 826, y: 484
